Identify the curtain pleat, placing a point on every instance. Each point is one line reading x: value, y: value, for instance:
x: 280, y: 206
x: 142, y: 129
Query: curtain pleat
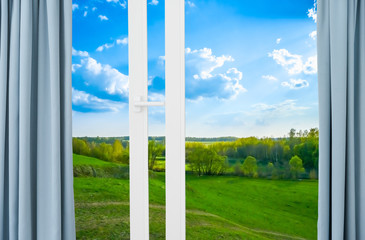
x: 341, y: 79
x: 36, y: 180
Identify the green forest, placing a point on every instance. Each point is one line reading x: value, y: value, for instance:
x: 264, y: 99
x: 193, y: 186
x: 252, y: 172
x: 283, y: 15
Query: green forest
x: 290, y: 157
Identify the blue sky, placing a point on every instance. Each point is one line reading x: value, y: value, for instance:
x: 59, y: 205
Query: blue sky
x: 251, y: 67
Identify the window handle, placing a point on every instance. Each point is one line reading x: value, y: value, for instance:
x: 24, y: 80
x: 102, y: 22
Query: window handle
x: 138, y: 104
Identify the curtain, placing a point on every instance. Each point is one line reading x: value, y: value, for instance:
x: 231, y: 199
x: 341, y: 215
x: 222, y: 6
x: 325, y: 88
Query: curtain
x: 36, y: 180
x: 341, y: 77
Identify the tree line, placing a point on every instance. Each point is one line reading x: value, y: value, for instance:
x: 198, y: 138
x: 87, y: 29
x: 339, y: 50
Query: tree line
x: 292, y: 156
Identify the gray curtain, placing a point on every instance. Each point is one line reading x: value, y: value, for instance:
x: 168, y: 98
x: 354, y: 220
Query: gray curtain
x: 36, y: 180
x: 341, y: 76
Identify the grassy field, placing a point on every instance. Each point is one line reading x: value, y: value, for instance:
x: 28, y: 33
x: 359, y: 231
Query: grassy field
x: 218, y: 207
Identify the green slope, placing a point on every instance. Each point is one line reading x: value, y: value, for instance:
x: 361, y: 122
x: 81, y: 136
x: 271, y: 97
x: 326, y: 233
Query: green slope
x: 217, y: 207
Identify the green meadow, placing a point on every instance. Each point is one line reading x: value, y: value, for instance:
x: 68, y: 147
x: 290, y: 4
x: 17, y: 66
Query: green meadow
x: 217, y: 207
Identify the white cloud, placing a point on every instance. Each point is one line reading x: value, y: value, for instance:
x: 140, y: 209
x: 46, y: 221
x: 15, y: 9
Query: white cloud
x: 313, y: 35
x: 153, y: 2
x: 293, y: 63
x: 206, y: 78
x: 269, y: 77
x: 310, y: 66
x: 190, y: 3
x: 205, y: 61
x: 123, y: 4
x: 75, y: 6
x: 102, y: 76
x: 102, y: 18
x: 234, y: 74
x: 79, y: 53
x: 92, y: 66
x: 312, y: 13
x: 295, y: 84
x: 123, y: 41
x: 85, y: 13
x: 93, y: 9
x: 75, y: 67
x: 104, y: 46
x: 278, y: 40
x: 85, y: 102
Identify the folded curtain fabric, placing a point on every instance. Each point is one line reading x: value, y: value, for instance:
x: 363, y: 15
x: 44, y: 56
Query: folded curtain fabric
x: 341, y: 77
x: 36, y: 180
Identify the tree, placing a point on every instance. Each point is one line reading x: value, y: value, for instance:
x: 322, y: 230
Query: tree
x: 205, y: 161
x: 249, y: 167
x: 117, y: 151
x: 292, y: 133
x: 80, y: 146
x: 155, y: 149
x: 296, y: 166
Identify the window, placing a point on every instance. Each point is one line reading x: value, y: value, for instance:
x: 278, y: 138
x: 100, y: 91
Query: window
x: 251, y: 119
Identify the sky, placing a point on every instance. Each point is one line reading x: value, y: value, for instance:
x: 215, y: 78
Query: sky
x: 251, y: 67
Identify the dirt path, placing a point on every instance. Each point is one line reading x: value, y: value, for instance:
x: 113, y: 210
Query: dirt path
x: 269, y: 234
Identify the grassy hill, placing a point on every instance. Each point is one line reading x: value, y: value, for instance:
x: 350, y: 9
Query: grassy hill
x: 218, y: 207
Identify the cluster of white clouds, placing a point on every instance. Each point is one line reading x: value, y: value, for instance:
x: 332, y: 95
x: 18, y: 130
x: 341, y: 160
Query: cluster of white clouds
x: 86, y: 102
x: 204, y: 61
x: 101, y: 76
x: 294, y: 63
x: 206, y: 77
x: 120, y: 41
x: 312, y: 12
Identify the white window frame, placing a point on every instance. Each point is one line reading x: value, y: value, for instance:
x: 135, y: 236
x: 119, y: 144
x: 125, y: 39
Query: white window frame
x: 175, y: 119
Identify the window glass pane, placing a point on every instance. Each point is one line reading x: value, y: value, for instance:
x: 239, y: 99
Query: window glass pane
x: 252, y: 119
x: 100, y: 119
x: 156, y: 116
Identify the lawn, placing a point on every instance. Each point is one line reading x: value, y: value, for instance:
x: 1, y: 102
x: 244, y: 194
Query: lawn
x: 218, y: 207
